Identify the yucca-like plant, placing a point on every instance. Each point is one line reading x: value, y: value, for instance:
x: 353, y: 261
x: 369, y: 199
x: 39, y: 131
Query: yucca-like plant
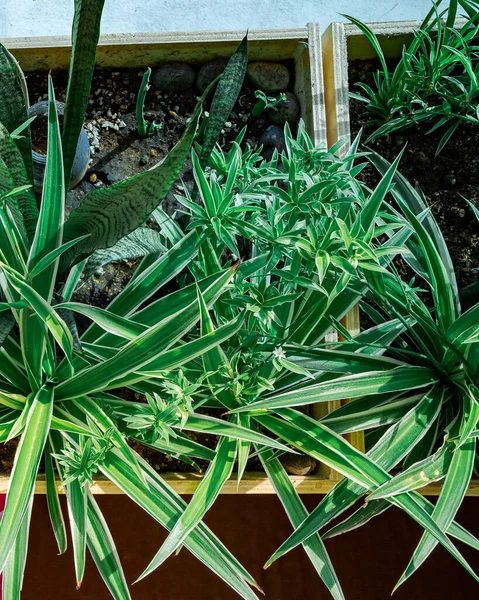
x: 309, y: 227
x: 55, y: 387
x: 418, y: 402
x: 435, y: 81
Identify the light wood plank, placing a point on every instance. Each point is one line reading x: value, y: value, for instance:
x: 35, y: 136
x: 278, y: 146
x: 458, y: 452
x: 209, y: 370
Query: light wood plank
x: 252, y: 483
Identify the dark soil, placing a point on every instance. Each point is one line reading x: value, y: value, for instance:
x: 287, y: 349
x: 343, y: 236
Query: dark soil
x: 39, y: 129
x: 444, y: 179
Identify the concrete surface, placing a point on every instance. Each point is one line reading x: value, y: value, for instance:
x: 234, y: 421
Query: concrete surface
x: 53, y: 17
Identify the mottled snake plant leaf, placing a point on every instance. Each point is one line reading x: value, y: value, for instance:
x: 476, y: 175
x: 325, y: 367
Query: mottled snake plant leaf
x: 85, y: 34
x: 226, y: 94
x: 111, y: 213
x: 14, y: 105
x: 11, y: 156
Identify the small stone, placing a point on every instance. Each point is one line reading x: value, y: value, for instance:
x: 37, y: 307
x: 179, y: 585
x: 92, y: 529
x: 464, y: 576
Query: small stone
x: 209, y: 72
x: 268, y: 76
x: 174, y: 77
x: 93, y: 178
x: 289, y: 112
x: 298, y: 464
x: 153, y: 152
x: 462, y: 213
x: 272, y: 138
x: 449, y: 179
x: 144, y: 160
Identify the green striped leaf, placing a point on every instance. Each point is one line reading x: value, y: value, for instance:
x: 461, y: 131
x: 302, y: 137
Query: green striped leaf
x: 25, y: 467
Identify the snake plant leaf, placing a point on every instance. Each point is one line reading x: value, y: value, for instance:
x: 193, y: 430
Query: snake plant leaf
x: 104, y: 553
x: 54, y: 508
x: 25, y: 467
x: 387, y: 453
x: 85, y: 34
x: 14, y: 105
x: 226, y: 94
x: 297, y: 513
x: 77, y: 512
x: 110, y: 213
x: 26, y: 214
x: 351, y: 386
x: 218, y: 472
x: 12, y: 577
x: 141, y: 242
x: 166, y: 507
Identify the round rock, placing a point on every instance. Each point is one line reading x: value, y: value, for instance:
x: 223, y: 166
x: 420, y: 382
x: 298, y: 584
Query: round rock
x: 173, y: 77
x: 209, y: 72
x: 289, y: 112
x: 298, y: 464
x: 272, y: 138
x: 268, y: 76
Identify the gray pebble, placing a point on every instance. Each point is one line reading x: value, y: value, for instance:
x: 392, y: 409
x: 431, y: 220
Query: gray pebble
x: 173, y: 77
x: 268, y: 76
x: 289, y: 112
x: 272, y: 138
x: 209, y: 72
x: 144, y: 159
x: 298, y: 464
x: 449, y: 179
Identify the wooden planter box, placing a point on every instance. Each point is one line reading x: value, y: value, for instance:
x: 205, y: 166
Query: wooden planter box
x: 301, y: 46
x: 341, y: 43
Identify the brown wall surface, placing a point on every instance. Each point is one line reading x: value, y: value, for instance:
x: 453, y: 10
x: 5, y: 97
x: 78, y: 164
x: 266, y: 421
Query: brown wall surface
x: 368, y: 561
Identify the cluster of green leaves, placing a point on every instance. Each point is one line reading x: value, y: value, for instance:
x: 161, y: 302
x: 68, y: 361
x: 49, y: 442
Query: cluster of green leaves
x: 418, y: 400
x: 265, y: 102
x: 434, y: 82
x: 55, y: 386
x: 314, y: 237
x: 144, y: 128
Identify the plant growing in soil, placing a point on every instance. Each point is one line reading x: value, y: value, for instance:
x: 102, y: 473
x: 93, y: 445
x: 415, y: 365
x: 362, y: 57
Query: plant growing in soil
x: 435, y: 81
x: 420, y: 411
x: 55, y: 387
x: 307, y: 229
x: 144, y: 128
x: 266, y: 102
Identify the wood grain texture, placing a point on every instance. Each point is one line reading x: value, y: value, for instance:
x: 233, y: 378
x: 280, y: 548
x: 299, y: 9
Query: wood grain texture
x: 251, y: 483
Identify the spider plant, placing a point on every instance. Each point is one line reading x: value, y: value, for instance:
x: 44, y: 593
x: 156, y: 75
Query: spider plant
x: 304, y: 228
x: 420, y: 412
x: 434, y: 82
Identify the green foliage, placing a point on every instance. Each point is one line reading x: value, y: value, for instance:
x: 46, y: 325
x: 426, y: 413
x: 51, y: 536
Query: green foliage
x: 424, y: 408
x: 85, y: 35
x: 435, y: 81
x: 45, y: 368
x: 226, y: 94
x: 266, y: 102
x: 144, y: 128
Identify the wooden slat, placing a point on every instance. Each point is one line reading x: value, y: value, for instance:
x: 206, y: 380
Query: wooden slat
x: 251, y: 483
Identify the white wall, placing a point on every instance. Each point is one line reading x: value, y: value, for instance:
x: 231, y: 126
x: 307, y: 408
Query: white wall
x: 53, y: 17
